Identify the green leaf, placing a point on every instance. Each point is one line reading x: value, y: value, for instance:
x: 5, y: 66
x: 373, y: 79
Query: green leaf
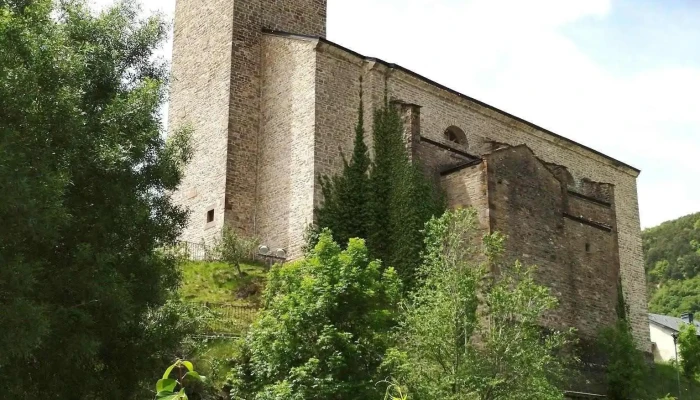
x: 188, y: 365
x: 166, y: 385
x: 166, y: 375
x: 176, y: 396
x: 193, y: 375
x: 172, y: 396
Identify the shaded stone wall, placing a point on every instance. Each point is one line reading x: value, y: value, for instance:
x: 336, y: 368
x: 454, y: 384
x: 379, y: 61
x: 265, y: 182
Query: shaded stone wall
x: 468, y: 187
x: 285, y: 182
x: 527, y: 206
x: 250, y: 18
x: 568, y: 237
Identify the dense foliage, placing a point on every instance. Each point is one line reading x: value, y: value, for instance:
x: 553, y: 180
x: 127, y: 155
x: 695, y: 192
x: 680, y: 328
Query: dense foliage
x: 234, y: 249
x: 386, y: 201
x: 84, y: 172
x: 346, y: 195
x: 672, y: 262
x: 469, y: 336
x: 626, y: 368
x: 689, y: 350
x: 324, y: 329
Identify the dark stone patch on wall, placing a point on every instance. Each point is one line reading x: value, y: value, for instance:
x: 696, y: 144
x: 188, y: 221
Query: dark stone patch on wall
x: 576, y: 258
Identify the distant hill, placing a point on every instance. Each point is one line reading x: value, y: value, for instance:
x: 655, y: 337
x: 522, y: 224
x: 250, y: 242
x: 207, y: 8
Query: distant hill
x: 672, y: 265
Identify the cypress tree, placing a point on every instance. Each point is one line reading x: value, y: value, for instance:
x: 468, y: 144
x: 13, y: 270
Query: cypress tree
x: 402, y: 201
x: 344, y: 210
x: 386, y: 200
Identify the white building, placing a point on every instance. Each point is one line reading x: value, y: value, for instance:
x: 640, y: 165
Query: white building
x: 663, y: 330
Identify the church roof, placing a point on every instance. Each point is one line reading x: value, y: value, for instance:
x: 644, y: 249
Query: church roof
x: 461, y: 95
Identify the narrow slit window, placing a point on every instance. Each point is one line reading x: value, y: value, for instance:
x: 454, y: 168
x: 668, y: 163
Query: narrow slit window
x: 210, y: 216
x: 588, y: 247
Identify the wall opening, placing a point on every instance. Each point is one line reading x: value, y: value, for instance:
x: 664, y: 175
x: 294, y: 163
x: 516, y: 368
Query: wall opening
x: 455, y: 135
x: 210, y: 216
x: 588, y: 247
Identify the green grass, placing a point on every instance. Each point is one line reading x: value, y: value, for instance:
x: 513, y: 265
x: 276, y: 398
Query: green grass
x: 219, y: 283
x: 663, y: 380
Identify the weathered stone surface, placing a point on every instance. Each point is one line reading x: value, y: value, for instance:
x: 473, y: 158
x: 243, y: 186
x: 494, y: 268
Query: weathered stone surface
x: 272, y: 112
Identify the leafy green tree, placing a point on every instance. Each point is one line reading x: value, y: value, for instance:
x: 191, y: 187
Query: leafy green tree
x: 324, y: 329
x: 626, y: 369
x: 84, y: 176
x: 469, y: 336
x: 346, y: 195
x: 659, y: 272
x: 671, y: 244
x: 676, y: 296
x: 234, y: 249
x: 689, y: 350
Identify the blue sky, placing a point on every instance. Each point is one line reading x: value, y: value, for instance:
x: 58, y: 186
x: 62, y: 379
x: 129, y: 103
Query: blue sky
x: 621, y: 76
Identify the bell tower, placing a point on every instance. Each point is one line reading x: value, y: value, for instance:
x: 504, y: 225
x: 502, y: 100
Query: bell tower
x: 215, y: 90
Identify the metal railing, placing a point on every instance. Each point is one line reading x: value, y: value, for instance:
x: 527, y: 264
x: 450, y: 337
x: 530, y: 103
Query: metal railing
x: 194, y: 251
x: 227, y: 319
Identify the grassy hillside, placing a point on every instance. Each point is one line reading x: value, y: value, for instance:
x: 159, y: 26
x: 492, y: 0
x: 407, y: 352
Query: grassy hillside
x: 230, y: 303
x: 215, y: 282
x: 672, y: 264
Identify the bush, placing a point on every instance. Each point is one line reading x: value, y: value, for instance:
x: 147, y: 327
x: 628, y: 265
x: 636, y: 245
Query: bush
x: 626, y: 368
x: 324, y: 329
x: 468, y: 336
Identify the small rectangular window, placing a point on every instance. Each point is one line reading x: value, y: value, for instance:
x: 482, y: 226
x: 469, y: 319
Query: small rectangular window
x: 210, y: 216
x: 588, y: 247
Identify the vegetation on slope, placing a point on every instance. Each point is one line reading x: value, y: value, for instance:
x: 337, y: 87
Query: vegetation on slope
x: 219, y: 283
x: 219, y: 291
x: 672, y: 263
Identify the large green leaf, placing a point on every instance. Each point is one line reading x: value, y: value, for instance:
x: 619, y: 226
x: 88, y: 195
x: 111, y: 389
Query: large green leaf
x: 172, y: 396
x: 166, y: 375
x: 166, y: 385
x: 188, y: 365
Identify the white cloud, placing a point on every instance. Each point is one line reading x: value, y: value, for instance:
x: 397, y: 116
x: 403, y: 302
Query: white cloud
x: 513, y: 54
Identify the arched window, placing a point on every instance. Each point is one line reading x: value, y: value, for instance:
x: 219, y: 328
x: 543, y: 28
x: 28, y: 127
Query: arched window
x: 456, y: 135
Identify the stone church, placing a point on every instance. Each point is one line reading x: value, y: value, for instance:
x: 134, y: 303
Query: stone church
x: 273, y: 105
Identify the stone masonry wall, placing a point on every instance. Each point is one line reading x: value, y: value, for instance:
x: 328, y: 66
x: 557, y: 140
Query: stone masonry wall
x: 468, y: 188
x: 216, y: 90
x: 200, y: 99
x: 285, y: 183
x: 441, y: 109
x: 251, y: 17
x: 337, y: 109
x: 576, y: 254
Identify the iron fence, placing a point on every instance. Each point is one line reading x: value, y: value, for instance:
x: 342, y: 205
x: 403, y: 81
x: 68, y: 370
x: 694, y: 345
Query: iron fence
x: 194, y: 251
x: 227, y: 319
